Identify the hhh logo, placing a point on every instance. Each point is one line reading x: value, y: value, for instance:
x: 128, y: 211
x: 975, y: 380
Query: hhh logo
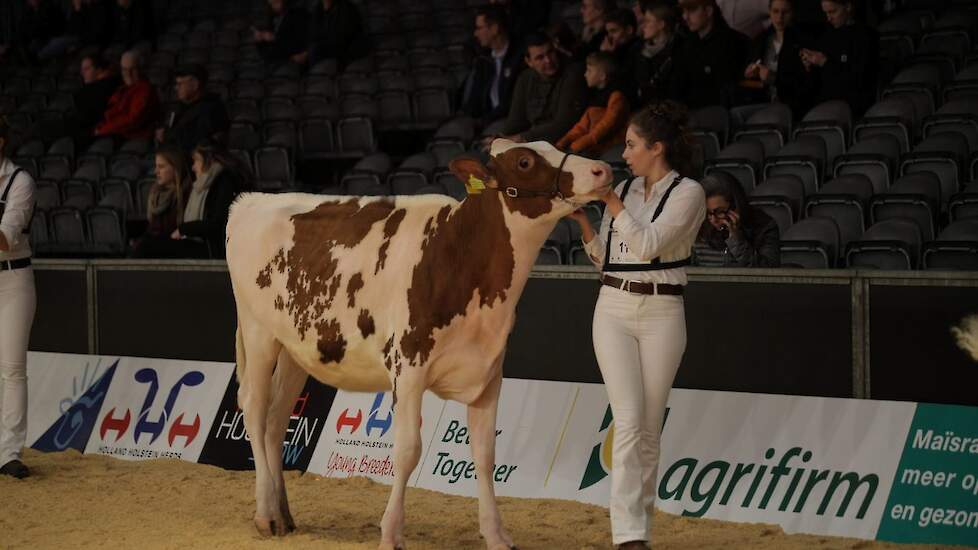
x: 599, y: 464
x: 155, y: 428
x: 374, y: 421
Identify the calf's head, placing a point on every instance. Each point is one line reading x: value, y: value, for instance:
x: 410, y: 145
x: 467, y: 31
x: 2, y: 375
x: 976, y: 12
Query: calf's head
x: 536, y: 179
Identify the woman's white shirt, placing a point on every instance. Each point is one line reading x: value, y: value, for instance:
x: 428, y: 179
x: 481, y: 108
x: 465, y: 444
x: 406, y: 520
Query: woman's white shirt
x: 670, y: 238
x: 17, y: 212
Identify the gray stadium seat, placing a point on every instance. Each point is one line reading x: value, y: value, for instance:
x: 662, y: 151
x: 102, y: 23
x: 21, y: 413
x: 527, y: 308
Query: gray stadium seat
x: 316, y: 138
x: 54, y: 167
x: 812, y: 243
x: 376, y: 163
x: 363, y: 185
x: 874, y: 157
x: 67, y: 231
x: 890, y: 244
x: 116, y: 193
x: 956, y: 248
x: 742, y: 160
x: 107, y: 231
x: 915, y: 197
x: 549, y: 255
x: 771, y: 126
x: 804, y: 157
x: 893, y: 116
x: 356, y: 136
x: 272, y: 163
x: 943, y: 154
x: 845, y: 200
x: 832, y: 121
x: 964, y: 205
x: 956, y: 116
x: 406, y: 182
x: 713, y: 120
x: 77, y: 193
x: 47, y: 195
x: 785, y: 189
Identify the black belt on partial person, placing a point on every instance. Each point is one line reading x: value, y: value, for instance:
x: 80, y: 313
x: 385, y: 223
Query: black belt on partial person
x: 6, y: 265
x: 639, y: 287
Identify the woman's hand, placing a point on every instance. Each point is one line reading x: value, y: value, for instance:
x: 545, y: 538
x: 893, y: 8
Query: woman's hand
x: 732, y: 223
x: 176, y: 235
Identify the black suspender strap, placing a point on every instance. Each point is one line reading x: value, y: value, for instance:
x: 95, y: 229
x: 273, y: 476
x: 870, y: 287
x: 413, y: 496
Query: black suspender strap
x: 611, y: 226
x: 656, y: 264
x: 6, y: 191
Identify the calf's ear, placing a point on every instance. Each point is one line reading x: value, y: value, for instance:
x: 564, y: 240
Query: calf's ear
x: 472, y: 173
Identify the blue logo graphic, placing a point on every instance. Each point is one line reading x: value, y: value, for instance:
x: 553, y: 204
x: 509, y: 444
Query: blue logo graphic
x: 78, y: 416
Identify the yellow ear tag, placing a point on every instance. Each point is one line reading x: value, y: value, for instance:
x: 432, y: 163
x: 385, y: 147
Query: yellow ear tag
x: 474, y: 186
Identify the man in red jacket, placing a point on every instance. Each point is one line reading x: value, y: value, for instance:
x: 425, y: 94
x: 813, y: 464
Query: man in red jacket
x: 134, y: 108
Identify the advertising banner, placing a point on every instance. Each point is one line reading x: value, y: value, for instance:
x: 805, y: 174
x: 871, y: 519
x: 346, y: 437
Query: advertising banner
x: 64, y: 395
x: 229, y: 446
x: 896, y: 471
x: 159, y: 409
x: 358, y: 437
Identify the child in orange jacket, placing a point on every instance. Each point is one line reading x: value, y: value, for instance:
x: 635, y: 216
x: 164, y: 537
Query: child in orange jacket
x: 605, y: 120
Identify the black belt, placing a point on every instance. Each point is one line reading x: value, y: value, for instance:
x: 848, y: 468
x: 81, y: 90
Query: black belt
x: 14, y: 264
x: 642, y: 288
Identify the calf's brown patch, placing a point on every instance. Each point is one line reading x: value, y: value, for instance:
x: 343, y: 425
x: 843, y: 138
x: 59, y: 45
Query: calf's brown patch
x: 467, y: 250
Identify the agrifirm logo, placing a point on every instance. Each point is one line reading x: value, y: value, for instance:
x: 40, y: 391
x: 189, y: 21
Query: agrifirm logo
x: 799, y: 489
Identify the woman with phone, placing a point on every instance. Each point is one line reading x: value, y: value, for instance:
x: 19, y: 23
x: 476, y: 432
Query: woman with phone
x: 734, y: 234
x: 642, y: 248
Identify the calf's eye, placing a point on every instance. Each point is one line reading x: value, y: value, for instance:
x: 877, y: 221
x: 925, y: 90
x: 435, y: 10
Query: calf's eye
x: 525, y: 163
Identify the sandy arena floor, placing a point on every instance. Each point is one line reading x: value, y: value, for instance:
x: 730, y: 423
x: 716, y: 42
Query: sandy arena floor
x: 77, y: 501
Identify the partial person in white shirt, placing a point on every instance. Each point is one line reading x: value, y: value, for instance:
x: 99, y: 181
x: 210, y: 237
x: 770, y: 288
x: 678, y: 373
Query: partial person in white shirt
x: 17, y: 303
x: 642, y: 248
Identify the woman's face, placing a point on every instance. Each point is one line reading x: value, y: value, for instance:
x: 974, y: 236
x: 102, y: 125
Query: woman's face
x: 165, y: 174
x: 198, y: 166
x: 716, y: 211
x: 639, y: 154
x: 781, y: 14
x: 652, y: 26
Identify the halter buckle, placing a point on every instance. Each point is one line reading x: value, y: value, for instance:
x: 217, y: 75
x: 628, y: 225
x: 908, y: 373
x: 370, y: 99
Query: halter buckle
x: 512, y: 192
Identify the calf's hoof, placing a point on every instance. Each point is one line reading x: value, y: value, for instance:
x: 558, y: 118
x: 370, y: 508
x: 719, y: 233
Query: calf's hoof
x: 270, y: 527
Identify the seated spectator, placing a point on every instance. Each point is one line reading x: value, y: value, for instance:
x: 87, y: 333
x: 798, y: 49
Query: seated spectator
x: 199, y: 116
x: 748, y: 17
x: 777, y: 70
x: 92, y: 99
x: 604, y: 122
x: 284, y: 37
x: 488, y: 90
x: 620, y: 39
x: 134, y: 109
x: 845, y: 58
x: 593, y: 13
x: 734, y: 233
x: 132, y: 22
x: 710, y: 61
x: 549, y: 97
x: 218, y: 178
x: 335, y: 32
x: 166, y: 201
x: 654, y: 65
x: 39, y: 25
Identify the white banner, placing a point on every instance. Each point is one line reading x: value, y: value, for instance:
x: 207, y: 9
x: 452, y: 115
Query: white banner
x: 65, y: 394
x: 530, y: 424
x: 159, y: 409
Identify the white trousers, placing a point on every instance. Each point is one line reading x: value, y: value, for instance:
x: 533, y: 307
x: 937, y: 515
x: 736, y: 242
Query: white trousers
x: 639, y: 342
x: 17, y: 304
